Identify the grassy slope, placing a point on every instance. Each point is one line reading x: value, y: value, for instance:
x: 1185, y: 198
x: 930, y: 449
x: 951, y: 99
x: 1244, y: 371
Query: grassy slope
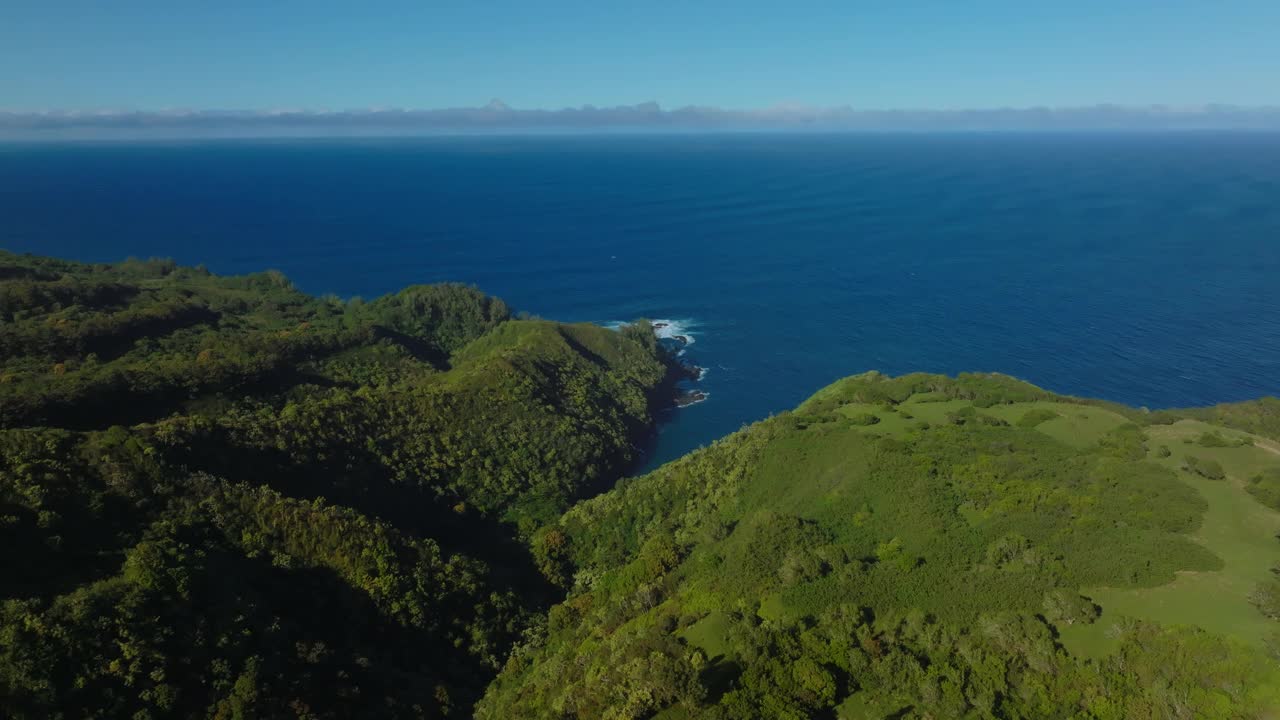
x: 944, y: 503
x: 1236, y: 528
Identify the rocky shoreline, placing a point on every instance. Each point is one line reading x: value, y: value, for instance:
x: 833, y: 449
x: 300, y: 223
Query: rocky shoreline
x: 690, y: 397
x: 682, y: 373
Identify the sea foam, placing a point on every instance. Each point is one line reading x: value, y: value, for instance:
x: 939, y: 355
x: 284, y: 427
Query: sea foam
x: 677, y: 332
x: 667, y: 329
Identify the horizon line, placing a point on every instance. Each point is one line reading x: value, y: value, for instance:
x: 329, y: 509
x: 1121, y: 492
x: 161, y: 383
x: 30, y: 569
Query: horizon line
x: 497, y: 116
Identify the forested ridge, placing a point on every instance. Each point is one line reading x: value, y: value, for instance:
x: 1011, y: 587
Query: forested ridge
x: 221, y: 497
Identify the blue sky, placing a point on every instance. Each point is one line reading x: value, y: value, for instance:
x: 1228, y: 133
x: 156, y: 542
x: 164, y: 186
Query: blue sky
x: 939, y: 54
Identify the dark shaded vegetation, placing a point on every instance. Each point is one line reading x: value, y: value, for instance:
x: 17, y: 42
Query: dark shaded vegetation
x: 1265, y: 486
x: 1036, y: 417
x: 1208, y: 469
x: 221, y: 497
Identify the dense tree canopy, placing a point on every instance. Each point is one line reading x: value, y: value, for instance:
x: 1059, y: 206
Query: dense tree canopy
x: 222, y: 497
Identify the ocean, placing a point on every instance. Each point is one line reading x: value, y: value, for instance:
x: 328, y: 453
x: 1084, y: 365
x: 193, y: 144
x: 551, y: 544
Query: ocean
x: 1141, y: 268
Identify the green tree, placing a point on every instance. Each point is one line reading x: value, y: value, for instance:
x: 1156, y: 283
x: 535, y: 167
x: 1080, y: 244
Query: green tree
x: 1068, y: 608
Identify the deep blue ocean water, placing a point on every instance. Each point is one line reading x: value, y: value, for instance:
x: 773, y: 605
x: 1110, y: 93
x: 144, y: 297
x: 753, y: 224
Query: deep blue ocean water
x: 1137, y: 268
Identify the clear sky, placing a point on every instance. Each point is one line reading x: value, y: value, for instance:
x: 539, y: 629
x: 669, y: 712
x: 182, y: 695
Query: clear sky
x: 944, y: 54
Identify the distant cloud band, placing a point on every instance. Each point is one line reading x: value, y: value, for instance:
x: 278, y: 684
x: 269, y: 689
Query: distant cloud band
x: 498, y: 117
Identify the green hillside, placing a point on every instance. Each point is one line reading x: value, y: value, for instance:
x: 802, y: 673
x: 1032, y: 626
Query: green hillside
x: 922, y: 547
x: 221, y: 497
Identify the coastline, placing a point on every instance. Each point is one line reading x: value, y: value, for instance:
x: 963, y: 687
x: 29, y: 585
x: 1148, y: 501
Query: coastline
x: 675, y: 338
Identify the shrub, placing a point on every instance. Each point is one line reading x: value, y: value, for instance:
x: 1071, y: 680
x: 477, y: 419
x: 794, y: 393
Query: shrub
x: 1068, y: 608
x: 1216, y: 439
x: 1266, y: 598
x: 1209, y: 469
x: 1036, y: 416
x: 1127, y: 442
x: 1212, y: 440
x: 1265, y: 487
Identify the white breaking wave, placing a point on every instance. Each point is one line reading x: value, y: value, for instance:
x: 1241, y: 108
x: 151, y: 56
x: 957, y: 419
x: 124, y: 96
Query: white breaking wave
x: 664, y: 328
x: 700, y: 398
x: 675, y: 332
x: 667, y: 329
